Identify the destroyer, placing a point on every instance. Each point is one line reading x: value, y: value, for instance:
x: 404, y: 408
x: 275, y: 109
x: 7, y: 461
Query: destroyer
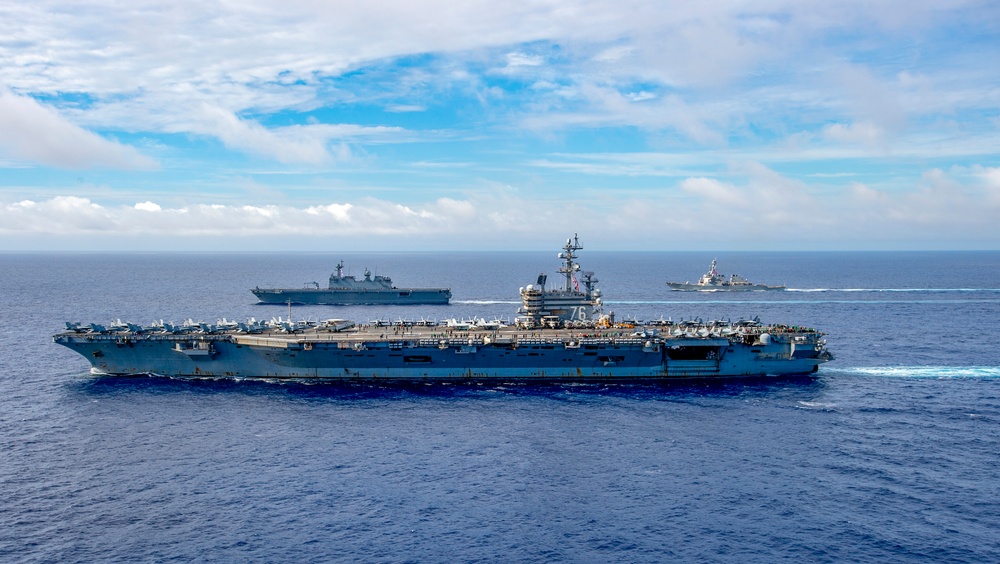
x: 560, y: 334
x: 713, y: 281
x: 348, y: 290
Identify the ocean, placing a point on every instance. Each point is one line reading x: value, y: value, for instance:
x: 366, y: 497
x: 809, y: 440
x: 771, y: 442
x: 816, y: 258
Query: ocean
x: 890, y: 453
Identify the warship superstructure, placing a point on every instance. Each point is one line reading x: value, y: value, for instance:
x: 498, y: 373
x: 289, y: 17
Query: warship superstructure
x: 348, y: 290
x: 569, y: 306
x: 712, y: 281
x: 560, y: 335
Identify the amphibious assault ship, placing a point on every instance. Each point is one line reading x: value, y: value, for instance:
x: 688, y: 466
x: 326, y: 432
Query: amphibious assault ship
x: 560, y: 334
x: 712, y: 281
x: 348, y: 290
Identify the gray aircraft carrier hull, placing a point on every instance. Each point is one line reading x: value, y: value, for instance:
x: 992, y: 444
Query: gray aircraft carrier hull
x: 436, y: 354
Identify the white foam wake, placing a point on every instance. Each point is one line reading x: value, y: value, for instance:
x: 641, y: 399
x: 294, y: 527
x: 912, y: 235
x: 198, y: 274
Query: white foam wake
x: 994, y: 290
x: 926, y: 371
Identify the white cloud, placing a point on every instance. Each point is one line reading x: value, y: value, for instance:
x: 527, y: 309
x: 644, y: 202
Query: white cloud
x: 158, y: 60
x: 766, y: 201
x: 614, y: 54
x: 864, y: 194
x: 59, y: 215
x: 405, y: 108
x: 607, y: 106
x: 33, y: 132
x: 865, y: 133
x: 681, y: 89
x: 640, y: 96
x: 767, y: 207
x: 290, y: 145
x: 307, y: 144
x: 524, y: 60
x: 990, y: 177
x: 148, y: 206
x: 872, y: 99
x: 716, y: 192
x: 70, y: 215
x: 339, y: 212
x: 750, y: 207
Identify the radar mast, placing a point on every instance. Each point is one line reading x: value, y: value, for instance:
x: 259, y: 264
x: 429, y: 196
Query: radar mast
x: 570, y: 267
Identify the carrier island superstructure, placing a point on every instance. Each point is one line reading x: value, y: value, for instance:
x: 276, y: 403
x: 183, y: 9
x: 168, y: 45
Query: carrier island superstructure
x: 560, y: 334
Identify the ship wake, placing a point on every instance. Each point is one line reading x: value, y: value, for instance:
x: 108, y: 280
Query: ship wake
x: 942, y: 372
x: 928, y: 290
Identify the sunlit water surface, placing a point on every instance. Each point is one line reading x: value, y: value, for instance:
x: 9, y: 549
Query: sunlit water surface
x: 890, y: 453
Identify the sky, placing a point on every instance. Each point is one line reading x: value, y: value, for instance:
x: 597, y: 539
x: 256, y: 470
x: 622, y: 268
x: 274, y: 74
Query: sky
x: 322, y: 125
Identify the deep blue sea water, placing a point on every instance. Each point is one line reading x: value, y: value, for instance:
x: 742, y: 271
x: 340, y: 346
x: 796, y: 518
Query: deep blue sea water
x: 891, y: 453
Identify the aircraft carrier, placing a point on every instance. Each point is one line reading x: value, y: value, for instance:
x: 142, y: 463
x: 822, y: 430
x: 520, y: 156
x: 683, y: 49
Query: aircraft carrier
x: 560, y: 334
x: 348, y: 290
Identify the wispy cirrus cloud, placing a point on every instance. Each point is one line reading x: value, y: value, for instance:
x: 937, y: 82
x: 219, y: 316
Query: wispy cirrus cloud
x: 744, y: 110
x: 267, y: 55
